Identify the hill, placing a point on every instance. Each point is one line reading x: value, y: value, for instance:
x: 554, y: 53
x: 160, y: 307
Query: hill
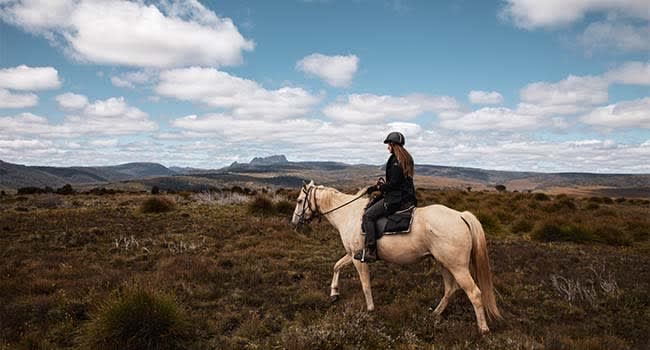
x: 277, y: 171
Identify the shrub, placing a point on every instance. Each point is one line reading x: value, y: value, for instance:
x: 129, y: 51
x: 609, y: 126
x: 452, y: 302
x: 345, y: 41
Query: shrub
x: 157, y: 205
x: 558, y: 231
x: 65, y: 190
x: 284, y: 207
x: 521, y: 226
x: 490, y: 223
x: 500, y: 188
x: 262, y: 206
x: 30, y: 190
x: 541, y: 197
x: 612, y: 235
x: 592, y: 206
x: 138, y: 319
x: 155, y: 190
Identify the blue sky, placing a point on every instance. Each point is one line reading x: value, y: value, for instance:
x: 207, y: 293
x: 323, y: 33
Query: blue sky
x: 508, y: 85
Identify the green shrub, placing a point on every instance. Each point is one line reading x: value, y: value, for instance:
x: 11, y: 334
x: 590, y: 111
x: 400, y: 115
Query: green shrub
x: 490, y: 223
x: 558, y: 231
x: 157, y: 205
x: 522, y: 226
x: 541, y: 197
x: 592, y: 206
x: 262, y: 206
x: 612, y: 235
x: 65, y: 190
x: 138, y: 319
x: 284, y: 207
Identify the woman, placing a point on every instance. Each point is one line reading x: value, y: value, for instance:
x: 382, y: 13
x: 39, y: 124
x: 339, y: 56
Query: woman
x: 398, y: 192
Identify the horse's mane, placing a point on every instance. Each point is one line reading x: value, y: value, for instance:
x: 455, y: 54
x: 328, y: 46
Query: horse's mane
x: 327, y: 199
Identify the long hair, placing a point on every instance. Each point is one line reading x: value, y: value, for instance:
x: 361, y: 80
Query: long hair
x: 405, y: 160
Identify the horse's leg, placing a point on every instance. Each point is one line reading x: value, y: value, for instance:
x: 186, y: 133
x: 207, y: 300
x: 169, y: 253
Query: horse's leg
x: 344, y: 261
x: 364, y: 276
x: 450, y: 287
x: 465, y: 281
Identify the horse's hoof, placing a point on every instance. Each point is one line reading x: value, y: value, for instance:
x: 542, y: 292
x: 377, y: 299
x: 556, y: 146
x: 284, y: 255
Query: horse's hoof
x: 484, y: 331
x: 334, y: 298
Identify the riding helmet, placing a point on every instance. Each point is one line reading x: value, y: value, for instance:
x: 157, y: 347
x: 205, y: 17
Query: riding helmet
x: 395, y: 137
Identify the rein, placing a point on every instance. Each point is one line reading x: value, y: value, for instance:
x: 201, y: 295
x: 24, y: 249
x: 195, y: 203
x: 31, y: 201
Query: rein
x: 316, y: 210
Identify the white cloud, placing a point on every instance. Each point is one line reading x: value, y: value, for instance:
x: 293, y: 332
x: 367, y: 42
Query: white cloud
x: 104, y: 142
x: 531, y: 14
x: 569, y: 96
x: 244, y: 98
x: 489, y: 118
x: 625, y: 114
x: 369, y: 108
x: 103, y: 117
x: 29, y: 78
x: 335, y: 70
x: 632, y: 73
x: 10, y: 100
x: 485, y: 97
x: 176, y: 33
x: 615, y: 36
x: 131, y: 79
x: 71, y: 101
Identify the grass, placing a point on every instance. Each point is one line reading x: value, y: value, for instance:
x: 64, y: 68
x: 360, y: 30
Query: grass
x: 251, y: 281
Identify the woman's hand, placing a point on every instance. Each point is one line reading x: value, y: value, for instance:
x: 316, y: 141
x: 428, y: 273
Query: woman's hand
x: 380, y: 183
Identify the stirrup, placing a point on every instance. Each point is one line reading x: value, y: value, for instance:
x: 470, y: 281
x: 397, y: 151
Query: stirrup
x: 362, y: 256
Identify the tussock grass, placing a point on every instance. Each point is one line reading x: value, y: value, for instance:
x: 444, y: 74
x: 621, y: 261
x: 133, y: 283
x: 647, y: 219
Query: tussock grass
x: 157, y: 204
x: 138, y: 319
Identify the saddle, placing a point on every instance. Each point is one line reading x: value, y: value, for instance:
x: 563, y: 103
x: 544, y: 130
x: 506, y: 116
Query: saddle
x: 396, y: 223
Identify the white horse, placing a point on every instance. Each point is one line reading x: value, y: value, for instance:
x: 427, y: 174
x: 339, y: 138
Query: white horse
x: 453, y: 238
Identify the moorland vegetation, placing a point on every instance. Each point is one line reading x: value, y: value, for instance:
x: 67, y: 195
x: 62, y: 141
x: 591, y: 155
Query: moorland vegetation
x: 225, y: 270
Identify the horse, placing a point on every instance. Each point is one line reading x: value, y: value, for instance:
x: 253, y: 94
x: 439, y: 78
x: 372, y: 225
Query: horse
x: 454, y: 239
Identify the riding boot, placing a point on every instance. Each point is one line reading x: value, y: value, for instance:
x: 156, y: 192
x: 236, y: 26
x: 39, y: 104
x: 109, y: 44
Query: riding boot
x: 369, y: 253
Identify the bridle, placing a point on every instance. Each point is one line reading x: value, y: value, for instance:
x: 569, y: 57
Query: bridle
x: 315, y: 211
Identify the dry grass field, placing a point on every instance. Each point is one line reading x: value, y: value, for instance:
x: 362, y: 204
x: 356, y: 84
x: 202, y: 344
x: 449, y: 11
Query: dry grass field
x: 205, y: 271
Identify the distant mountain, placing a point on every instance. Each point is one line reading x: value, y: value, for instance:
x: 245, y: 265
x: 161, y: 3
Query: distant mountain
x: 277, y: 171
x: 16, y: 176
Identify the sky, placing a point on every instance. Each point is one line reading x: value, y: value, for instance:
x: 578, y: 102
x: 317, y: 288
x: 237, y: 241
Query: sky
x: 523, y: 85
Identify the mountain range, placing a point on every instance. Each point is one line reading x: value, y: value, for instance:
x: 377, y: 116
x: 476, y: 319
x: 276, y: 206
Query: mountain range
x: 277, y: 171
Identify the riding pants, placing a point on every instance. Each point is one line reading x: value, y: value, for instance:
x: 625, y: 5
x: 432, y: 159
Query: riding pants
x: 372, y: 214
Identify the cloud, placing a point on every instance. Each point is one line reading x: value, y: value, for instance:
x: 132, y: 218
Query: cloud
x: 103, y: 117
x: 29, y: 78
x: 369, y: 108
x: 337, y: 71
x: 71, y: 101
x: 631, y: 73
x: 242, y: 97
x: 489, y: 118
x: 174, y: 33
x: 131, y: 79
x: 10, y: 100
x: 615, y: 36
x: 625, y: 114
x: 484, y: 97
x: 532, y: 14
x: 568, y: 96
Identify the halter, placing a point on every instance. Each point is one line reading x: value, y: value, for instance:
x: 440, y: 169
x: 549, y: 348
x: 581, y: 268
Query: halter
x: 315, y: 211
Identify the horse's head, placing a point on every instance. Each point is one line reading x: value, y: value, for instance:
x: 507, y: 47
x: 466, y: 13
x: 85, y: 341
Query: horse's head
x: 304, y: 210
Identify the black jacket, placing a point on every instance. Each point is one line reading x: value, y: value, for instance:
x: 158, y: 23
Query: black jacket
x: 398, y: 189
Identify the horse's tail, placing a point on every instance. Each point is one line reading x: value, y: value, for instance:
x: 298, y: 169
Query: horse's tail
x: 481, y: 262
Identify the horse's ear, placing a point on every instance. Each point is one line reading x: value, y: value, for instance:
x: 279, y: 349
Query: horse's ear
x: 311, y: 183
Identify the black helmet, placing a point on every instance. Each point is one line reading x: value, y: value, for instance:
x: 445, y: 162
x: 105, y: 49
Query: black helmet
x: 395, y: 137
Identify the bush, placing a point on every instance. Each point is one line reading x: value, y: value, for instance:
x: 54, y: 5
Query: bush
x: 541, y: 197
x: 30, y: 190
x: 558, y: 231
x: 155, y: 190
x: 157, y: 205
x: 284, y: 207
x: 500, y: 188
x: 65, y: 190
x: 522, y: 226
x: 490, y: 223
x: 262, y: 206
x: 138, y: 319
x: 612, y: 235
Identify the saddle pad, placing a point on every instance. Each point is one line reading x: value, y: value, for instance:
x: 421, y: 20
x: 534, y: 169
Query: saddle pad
x: 394, y: 224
